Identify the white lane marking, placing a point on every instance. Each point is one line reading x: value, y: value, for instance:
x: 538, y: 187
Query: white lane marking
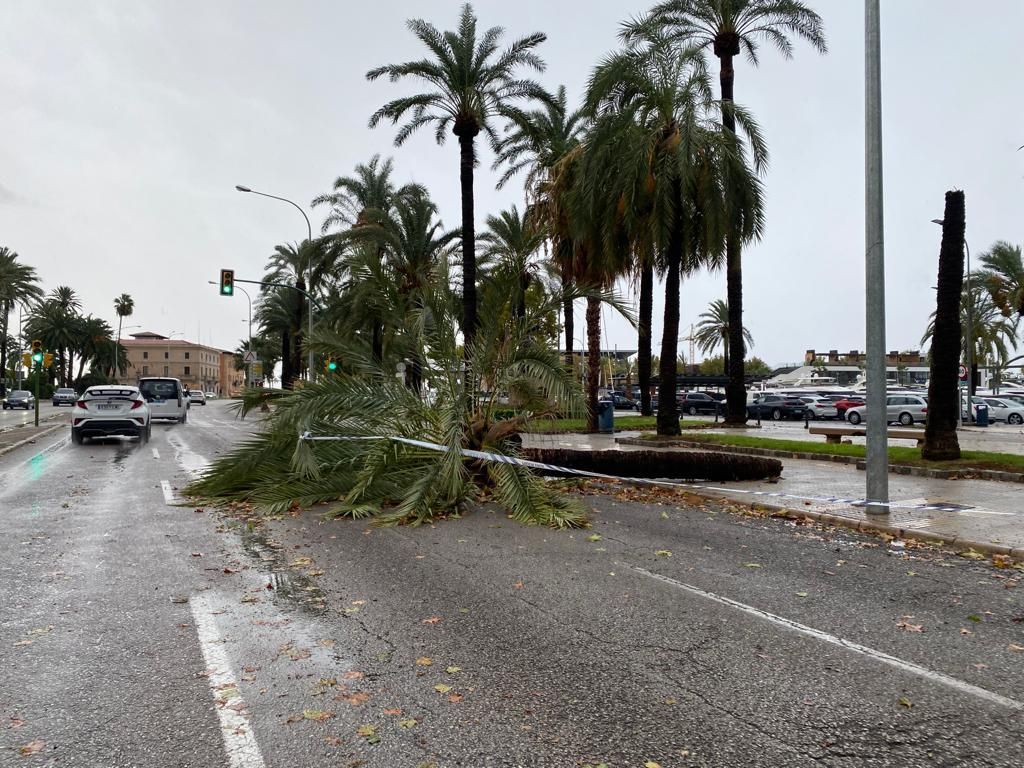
x: 156, y: 453
x: 190, y: 461
x: 170, y: 497
x: 235, y: 728
x: 885, y: 658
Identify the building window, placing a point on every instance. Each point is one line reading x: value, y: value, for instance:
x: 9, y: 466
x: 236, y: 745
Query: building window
x: 186, y: 355
x: 145, y: 369
x: 166, y: 372
x: 187, y: 371
x: 145, y: 355
x: 167, y: 355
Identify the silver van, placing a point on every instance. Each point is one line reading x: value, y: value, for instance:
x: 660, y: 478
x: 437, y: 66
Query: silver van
x: 166, y: 398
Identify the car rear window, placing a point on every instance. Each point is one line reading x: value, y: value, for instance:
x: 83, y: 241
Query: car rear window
x: 161, y: 389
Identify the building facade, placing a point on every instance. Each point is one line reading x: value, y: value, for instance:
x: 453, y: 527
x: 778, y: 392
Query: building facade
x: 196, y: 365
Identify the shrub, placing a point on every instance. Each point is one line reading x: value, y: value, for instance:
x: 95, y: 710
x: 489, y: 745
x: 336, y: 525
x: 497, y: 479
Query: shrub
x: 675, y: 465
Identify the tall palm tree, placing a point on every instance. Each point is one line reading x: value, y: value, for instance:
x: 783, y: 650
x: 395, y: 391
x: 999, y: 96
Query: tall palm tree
x: 471, y: 84
x: 124, y: 306
x: 536, y: 141
x: 369, y: 188
x: 276, y: 313
x: 94, y: 334
x: 673, y: 173
x: 713, y: 329
x: 940, y: 438
x: 730, y: 27
x: 18, y: 284
x: 290, y: 264
x: 1003, y: 275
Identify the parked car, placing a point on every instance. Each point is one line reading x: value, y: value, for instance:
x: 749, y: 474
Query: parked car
x: 197, y: 396
x: 819, y: 408
x: 767, y: 406
x: 210, y: 395
x: 905, y: 409
x: 1000, y: 409
x: 847, y: 402
x: 698, y: 402
x: 106, y: 410
x: 64, y: 396
x: 621, y: 401
x: 166, y: 398
x: 20, y: 398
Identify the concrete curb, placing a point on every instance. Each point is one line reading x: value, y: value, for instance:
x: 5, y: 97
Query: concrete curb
x: 27, y: 440
x: 896, y: 469
x: 872, y: 527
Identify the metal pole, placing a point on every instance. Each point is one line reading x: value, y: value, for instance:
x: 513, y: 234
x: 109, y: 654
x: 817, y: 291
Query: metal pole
x: 874, y: 262
x: 970, y: 333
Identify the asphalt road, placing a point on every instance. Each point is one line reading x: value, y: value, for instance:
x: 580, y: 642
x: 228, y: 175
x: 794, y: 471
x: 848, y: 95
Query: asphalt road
x: 673, y: 632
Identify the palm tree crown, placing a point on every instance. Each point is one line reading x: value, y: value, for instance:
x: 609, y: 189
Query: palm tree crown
x: 17, y: 285
x: 1003, y: 276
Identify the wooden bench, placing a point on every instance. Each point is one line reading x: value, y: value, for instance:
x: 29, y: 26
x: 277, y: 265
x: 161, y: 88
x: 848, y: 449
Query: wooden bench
x: 835, y: 434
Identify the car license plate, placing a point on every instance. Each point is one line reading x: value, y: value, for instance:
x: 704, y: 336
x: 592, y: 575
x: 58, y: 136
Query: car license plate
x: 107, y: 407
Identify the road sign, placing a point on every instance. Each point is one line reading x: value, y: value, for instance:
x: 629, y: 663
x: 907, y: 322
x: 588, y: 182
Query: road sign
x: 250, y: 357
x: 963, y: 371
x: 257, y: 370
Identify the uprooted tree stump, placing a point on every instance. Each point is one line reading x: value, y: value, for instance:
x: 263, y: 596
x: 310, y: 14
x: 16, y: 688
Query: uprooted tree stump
x: 675, y: 465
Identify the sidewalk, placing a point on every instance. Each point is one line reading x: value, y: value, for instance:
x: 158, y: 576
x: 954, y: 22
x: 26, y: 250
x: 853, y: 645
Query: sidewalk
x: 13, y: 437
x: 986, y: 515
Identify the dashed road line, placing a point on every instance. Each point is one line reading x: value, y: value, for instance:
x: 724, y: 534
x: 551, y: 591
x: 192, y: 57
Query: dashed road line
x: 171, y: 498
x: 235, y: 728
x: 906, y: 666
x: 156, y: 453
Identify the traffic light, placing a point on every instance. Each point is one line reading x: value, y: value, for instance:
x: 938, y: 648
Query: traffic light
x: 47, y: 360
x: 26, y: 359
x: 37, y: 352
x: 331, y: 365
x: 227, y: 282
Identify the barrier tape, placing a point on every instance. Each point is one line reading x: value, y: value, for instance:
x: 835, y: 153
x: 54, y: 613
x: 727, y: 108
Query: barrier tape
x: 503, y: 459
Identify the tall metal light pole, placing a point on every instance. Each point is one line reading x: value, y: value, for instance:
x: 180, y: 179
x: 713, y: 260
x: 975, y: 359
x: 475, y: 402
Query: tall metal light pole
x: 970, y: 330
x: 874, y: 263
x: 309, y: 229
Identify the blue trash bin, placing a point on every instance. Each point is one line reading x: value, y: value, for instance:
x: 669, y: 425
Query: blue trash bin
x: 605, y: 416
x: 981, y: 414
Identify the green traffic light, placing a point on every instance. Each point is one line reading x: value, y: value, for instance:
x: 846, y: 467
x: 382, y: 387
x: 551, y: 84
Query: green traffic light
x: 332, y: 366
x: 37, y: 357
x: 227, y: 290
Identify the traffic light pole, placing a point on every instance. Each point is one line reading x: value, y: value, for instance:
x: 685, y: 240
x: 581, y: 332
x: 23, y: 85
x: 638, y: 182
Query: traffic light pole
x: 39, y: 374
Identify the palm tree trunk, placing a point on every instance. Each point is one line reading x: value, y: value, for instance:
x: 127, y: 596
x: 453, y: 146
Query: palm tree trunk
x: 668, y: 410
x: 940, y: 438
x: 69, y: 369
x: 569, y: 324
x: 300, y: 340
x: 644, y: 333
x: 725, y: 355
x: 593, y: 359
x: 112, y: 372
x: 5, y: 311
x: 287, y: 372
x: 467, y: 160
x: 735, y: 391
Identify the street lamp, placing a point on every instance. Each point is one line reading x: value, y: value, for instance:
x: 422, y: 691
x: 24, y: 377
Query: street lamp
x: 970, y: 325
x: 309, y: 230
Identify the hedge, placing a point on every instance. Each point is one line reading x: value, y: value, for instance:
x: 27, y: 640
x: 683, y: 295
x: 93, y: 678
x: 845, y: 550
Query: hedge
x: 674, y: 465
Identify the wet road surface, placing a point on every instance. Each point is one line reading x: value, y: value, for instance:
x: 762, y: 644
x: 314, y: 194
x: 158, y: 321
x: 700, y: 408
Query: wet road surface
x: 136, y: 632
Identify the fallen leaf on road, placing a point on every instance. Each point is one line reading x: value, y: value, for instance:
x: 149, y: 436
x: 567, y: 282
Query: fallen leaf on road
x: 298, y: 562
x: 393, y: 711
x: 664, y: 515
x: 970, y: 554
x: 455, y: 698
x: 965, y: 631
x: 316, y: 572
x: 15, y: 722
x: 905, y: 702
x: 670, y: 701
x: 424, y: 661
x: 801, y: 594
x: 33, y: 747
x: 752, y: 565
x: 334, y: 741
x: 352, y: 674
x: 350, y: 610
x: 410, y: 723
x: 23, y: 642
x: 452, y: 670
x: 368, y: 732
x: 442, y: 688
x: 41, y: 630
x: 664, y: 553
x: 652, y: 764
x: 594, y: 537
x: 1015, y: 648
x: 317, y: 715
x: 1002, y: 561
x: 357, y: 698
x: 326, y: 642
x: 518, y: 584
x: 294, y: 719
x: 358, y: 602
x: 908, y: 627
x: 911, y: 573
x: 974, y: 617
x: 432, y: 620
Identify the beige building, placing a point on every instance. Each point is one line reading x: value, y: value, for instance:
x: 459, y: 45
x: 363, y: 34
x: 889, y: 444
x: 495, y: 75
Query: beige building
x: 197, y: 366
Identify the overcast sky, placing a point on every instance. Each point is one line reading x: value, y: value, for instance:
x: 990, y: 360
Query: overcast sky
x: 127, y: 124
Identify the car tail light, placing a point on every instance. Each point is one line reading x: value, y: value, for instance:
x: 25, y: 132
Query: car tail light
x: 137, y: 404
x: 924, y: 410
x: 80, y: 404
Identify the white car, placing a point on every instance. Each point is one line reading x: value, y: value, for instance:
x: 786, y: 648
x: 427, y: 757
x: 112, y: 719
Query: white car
x: 166, y: 398
x: 1004, y: 410
x: 197, y: 396
x: 904, y: 408
x: 110, y: 409
x: 210, y: 395
x: 820, y: 408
